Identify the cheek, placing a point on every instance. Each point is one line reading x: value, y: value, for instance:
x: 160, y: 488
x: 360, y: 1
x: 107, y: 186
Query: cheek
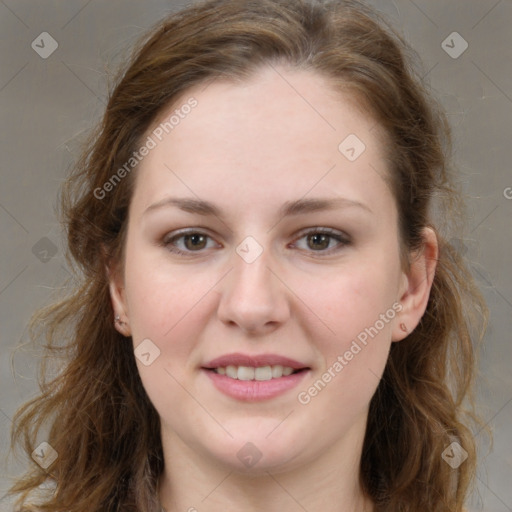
x: 360, y: 311
x: 170, y: 309
x: 358, y: 305
x: 166, y: 307
x: 353, y: 298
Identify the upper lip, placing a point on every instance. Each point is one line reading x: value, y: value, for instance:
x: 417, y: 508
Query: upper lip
x: 254, y: 361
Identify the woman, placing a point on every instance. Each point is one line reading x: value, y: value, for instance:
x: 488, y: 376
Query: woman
x: 270, y: 316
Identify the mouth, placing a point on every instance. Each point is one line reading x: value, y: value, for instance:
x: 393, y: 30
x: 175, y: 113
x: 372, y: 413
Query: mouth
x: 254, y: 378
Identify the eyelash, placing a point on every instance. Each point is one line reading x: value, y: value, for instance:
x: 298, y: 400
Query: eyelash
x: 342, y: 239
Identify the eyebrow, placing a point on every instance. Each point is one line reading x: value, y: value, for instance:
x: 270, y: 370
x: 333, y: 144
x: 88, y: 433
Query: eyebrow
x: 297, y: 207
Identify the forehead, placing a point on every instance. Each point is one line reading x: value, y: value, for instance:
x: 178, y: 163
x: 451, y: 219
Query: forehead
x: 281, y: 132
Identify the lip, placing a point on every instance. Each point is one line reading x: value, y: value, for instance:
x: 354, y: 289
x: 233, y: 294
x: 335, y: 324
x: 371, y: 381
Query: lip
x: 254, y: 390
x: 238, y: 359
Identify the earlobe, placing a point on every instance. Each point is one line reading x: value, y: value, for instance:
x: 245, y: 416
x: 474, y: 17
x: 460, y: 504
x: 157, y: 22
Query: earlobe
x: 417, y: 285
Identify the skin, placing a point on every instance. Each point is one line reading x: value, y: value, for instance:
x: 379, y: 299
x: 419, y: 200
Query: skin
x: 249, y: 148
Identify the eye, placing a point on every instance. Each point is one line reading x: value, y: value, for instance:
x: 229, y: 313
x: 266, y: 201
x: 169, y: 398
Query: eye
x: 324, y: 240
x: 319, y: 240
x: 186, y: 242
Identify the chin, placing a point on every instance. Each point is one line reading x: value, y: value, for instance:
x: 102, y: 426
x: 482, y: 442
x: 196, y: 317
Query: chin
x: 255, y: 453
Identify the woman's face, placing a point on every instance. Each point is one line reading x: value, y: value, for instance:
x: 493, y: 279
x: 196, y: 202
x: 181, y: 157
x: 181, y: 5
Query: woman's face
x: 262, y: 232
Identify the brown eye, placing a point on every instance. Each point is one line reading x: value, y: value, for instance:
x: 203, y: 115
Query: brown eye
x: 195, y: 241
x: 186, y: 243
x: 318, y: 241
x: 322, y: 241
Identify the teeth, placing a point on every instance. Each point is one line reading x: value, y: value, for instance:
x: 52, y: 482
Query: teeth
x: 263, y: 373
x: 277, y: 371
x: 287, y: 370
x: 249, y: 373
x: 245, y: 373
x: 231, y: 371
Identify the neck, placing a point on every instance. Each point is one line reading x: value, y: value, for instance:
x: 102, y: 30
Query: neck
x: 192, y: 482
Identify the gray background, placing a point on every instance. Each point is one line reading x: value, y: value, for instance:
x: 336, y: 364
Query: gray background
x: 47, y: 105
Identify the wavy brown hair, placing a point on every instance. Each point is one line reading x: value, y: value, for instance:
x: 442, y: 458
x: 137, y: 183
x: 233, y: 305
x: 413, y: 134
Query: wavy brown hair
x: 95, y: 411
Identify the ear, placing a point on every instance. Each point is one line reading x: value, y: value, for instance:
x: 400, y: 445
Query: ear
x: 417, y: 283
x: 118, y: 298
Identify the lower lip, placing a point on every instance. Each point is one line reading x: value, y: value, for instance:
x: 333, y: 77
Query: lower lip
x: 254, y: 390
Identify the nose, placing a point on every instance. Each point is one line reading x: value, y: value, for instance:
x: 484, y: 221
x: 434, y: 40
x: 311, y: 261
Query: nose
x: 252, y: 297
